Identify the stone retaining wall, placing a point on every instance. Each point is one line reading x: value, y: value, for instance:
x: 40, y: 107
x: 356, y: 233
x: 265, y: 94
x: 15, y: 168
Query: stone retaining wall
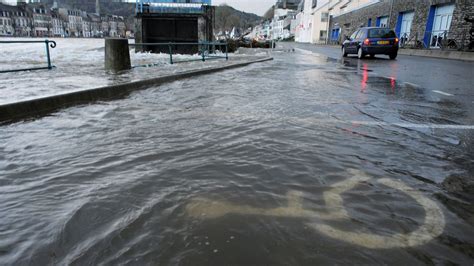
x: 359, y: 18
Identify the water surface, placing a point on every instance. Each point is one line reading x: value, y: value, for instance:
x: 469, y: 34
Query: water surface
x: 116, y: 182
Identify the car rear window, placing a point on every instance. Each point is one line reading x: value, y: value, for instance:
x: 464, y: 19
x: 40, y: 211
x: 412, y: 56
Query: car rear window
x: 381, y: 33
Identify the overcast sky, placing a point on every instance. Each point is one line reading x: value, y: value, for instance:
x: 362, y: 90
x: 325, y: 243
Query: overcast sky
x: 258, y: 7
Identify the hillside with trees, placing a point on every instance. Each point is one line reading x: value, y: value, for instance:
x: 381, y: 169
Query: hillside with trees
x: 228, y: 17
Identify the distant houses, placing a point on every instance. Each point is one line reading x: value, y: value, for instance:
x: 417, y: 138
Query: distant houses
x: 419, y: 24
x: 37, y: 20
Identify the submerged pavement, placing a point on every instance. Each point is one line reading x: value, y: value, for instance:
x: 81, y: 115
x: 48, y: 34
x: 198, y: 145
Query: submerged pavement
x: 303, y: 160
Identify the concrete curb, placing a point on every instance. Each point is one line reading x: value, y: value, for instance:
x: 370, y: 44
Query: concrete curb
x: 14, y: 112
x: 452, y: 55
x: 433, y: 53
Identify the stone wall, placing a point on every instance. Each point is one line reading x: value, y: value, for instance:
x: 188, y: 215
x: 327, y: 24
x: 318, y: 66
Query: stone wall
x: 359, y: 18
x: 464, y: 8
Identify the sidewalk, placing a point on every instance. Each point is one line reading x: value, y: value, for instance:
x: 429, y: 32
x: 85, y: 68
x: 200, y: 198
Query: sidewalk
x: 453, y: 55
x: 433, y: 53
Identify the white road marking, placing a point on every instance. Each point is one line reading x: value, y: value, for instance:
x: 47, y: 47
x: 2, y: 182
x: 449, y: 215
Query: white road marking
x: 442, y: 93
x: 432, y: 227
x: 433, y: 224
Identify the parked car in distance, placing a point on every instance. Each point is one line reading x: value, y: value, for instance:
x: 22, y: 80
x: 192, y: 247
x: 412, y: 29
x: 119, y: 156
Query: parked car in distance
x: 371, y: 41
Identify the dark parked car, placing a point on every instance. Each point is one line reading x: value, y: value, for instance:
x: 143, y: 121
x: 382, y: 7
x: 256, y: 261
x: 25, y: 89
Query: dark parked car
x: 371, y: 41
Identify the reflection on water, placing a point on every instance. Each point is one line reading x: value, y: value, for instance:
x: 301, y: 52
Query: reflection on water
x: 250, y: 167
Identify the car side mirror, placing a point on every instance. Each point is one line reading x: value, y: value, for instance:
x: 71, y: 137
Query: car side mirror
x: 348, y: 38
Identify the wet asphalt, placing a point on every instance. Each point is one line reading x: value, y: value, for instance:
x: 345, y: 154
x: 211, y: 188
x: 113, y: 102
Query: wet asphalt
x: 453, y: 77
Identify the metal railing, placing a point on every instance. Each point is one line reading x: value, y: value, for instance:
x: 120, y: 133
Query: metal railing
x: 48, y: 44
x: 412, y: 41
x: 170, y: 6
x: 206, y: 50
x: 443, y: 40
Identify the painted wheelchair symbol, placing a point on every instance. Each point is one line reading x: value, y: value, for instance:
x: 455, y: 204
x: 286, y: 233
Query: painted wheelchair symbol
x: 432, y: 227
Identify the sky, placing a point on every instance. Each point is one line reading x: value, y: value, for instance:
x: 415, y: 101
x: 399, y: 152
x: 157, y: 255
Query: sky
x: 258, y: 7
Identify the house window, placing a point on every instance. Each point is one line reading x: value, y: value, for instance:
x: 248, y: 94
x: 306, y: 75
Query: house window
x: 324, y: 17
x: 382, y: 22
x: 441, y: 24
x: 314, y: 4
x: 323, y: 34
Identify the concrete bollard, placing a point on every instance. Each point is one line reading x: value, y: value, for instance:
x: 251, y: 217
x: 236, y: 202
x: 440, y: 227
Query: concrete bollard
x: 117, y: 54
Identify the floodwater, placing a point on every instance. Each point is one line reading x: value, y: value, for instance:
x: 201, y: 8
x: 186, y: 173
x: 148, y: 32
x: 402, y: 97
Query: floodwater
x: 79, y: 66
x: 298, y: 161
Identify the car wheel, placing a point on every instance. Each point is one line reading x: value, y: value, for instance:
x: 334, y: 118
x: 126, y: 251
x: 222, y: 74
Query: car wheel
x: 360, y: 53
x: 393, y: 56
x: 344, y: 53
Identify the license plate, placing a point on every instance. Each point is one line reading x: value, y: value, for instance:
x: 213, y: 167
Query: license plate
x: 383, y: 42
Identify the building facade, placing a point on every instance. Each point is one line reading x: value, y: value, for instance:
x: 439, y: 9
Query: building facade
x: 320, y: 16
x: 314, y: 19
x: 283, y: 19
x: 121, y: 27
x: 95, y: 25
x: 6, y: 22
x: 104, y: 27
x: 422, y: 23
x: 113, y: 26
x: 22, y: 21
x: 304, y: 21
x: 48, y: 19
x: 86, y: 25
x: 58, y: 25
x: 42, y: 21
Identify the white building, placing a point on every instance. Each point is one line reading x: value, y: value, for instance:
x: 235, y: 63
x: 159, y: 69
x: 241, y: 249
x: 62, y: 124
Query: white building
x: 314, y: 18
x: 304, y: 32
x: 6, y: 23
x: 42, y: 21
x: 113, y: 26
x: 281, y: 24
x: 58, y: 25
x: 73, y: 20
x: 320, y: 12
x: 86, y: 26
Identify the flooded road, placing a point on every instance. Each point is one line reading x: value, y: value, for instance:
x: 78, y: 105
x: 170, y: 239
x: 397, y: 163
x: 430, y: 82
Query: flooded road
x: 301, y: 161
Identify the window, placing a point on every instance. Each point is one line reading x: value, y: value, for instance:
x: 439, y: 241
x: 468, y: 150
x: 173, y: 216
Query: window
x: 353, y: 36
x: 382, y: 22
x: 322, y: 35
x: 324, y: 17
x: 359, y: 35
x: 314, y: 4
x: 381, y: 33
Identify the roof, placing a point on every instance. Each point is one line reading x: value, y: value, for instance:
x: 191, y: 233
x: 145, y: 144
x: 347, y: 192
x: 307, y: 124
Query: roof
x: 9, y: 8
